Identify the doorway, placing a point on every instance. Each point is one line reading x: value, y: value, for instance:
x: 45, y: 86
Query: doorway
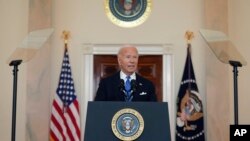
x: 149, y: 66
x: 88, y: 89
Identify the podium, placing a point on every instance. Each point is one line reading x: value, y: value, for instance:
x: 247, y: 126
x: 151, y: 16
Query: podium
x: 103, y: 119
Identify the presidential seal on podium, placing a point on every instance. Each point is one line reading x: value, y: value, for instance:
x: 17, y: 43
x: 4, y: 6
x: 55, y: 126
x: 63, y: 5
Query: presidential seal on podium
x: 128, y: 13
x: 127, y: 124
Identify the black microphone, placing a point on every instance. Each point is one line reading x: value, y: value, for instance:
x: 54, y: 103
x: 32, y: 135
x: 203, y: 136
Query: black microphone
x: 121, y: 85
x: 133, y: 85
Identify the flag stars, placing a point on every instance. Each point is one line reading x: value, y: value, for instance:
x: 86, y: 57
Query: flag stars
x: 66, y: 87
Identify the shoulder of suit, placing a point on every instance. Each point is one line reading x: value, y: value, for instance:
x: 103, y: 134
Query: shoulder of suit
x: 141, y: 78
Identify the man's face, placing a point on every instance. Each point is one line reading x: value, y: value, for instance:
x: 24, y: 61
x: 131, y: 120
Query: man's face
x: 128, y: 60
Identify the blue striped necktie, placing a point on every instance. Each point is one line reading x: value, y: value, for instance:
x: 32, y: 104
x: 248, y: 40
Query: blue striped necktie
x: 127, y: 85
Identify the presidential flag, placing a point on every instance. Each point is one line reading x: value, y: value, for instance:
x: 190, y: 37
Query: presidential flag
x: 189, y: 117
x: 65, y: 116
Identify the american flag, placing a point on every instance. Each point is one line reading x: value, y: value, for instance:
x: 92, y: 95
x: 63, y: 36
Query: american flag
x: 65, y: 116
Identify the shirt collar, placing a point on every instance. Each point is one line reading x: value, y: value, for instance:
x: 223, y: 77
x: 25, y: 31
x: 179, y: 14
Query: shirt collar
x: 123, y: 76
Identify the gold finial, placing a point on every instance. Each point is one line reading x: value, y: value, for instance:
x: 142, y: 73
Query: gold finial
x: 66, y: 35
x: 189, y: 36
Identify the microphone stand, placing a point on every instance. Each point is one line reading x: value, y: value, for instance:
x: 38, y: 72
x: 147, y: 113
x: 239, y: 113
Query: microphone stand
x: 133, y: 89
x: 122, y: 89
x: 14, y: 63
x: 235, y: 64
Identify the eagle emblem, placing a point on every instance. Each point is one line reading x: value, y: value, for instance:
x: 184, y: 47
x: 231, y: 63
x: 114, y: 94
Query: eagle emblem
x: 190, y: 110
x: 127, y: 124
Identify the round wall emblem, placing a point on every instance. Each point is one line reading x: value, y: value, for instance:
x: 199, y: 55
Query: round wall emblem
x: 128, y: 13
x: 127, y: 124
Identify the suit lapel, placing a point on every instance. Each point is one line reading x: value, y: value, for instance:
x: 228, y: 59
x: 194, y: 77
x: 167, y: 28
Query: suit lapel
x: 116, y: 90
x: 139, y: 84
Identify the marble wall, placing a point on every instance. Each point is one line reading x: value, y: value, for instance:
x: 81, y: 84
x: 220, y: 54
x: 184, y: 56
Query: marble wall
x: 38, y: 78
x: 217, y: 76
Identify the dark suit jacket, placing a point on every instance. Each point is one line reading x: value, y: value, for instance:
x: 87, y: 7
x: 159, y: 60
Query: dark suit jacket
x: 109, y: 89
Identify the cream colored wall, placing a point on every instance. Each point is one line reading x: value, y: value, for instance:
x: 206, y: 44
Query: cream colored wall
x: 239, y: 31
x: 13, y: 27
x: 217, y: 80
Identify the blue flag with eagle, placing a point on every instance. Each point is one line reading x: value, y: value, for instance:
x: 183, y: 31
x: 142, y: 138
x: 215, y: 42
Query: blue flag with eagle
x: 189, y: 115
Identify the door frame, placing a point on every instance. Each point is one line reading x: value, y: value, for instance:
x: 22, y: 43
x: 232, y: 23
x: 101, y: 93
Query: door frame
x: 166, y: 50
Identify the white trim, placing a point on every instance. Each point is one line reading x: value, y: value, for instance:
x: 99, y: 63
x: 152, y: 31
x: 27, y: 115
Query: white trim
x: 89, y: 50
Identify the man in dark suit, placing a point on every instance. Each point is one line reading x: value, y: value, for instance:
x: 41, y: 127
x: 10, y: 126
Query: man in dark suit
x: 126, y: 85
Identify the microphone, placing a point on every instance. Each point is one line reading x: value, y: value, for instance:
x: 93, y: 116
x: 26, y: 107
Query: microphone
x: 133, y: 90
x: 121, y: 85
x: 122, y: 88
x: 133, y: 86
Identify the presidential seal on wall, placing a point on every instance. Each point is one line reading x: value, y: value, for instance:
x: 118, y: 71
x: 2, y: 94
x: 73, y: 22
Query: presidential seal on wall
x: 128, y: 13
x: 127, y: 124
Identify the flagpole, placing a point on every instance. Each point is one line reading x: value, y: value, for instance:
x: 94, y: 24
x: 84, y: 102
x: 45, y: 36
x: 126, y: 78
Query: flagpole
x: 189, y: 35
x: 65, y: 35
